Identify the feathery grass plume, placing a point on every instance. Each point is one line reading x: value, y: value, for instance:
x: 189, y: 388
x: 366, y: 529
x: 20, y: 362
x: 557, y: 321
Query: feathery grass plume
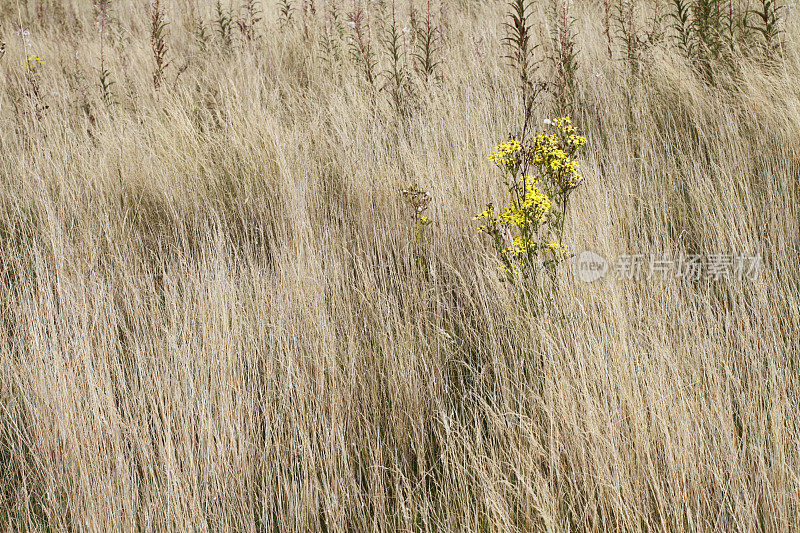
x: 106, y: 80
x: 517, y: 42
x: 250, y: 15
x: 285, y: 14
x: 361, y: 48
x: 428, y: 41
x: 158, y: 42
x: 564, y: 55
x: 224, y: 24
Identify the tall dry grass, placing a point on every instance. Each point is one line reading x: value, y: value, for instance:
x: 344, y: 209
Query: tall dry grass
x: 213, y: 316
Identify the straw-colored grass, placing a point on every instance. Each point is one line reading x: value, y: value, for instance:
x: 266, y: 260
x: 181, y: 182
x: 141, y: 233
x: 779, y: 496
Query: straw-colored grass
x: 212, y: 315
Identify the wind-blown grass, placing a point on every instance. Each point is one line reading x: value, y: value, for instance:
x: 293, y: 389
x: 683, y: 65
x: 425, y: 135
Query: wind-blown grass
x: 213, y: 315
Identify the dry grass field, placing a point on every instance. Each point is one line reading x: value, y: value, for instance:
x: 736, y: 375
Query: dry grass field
x: 216, y: 312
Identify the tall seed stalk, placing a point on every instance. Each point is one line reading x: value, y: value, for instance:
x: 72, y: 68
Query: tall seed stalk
x: 158, y: 33
x: 361, y: 49
x: 519, y: 48
x: 428, y: 39
x: 106, y: 81
x: 397, y: 83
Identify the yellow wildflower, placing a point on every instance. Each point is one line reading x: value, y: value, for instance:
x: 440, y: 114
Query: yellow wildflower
x: 33, y: 61
x: 560, y: 251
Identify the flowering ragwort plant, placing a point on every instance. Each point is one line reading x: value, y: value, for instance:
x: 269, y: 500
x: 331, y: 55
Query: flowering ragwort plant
x: 540, y: 176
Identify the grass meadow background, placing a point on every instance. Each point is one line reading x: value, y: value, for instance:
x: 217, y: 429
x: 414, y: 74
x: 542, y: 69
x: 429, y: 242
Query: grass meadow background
x: 213, y: 316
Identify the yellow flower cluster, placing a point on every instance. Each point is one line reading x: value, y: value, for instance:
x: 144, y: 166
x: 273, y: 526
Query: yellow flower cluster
x: 527, y: 210
x: 567, y: 131
x: 489, y: 215
x: 506, y: 154
x: 560, y: 251
x: 33, y: 61
x: 532, y: 208
x: 519, y: 247
x: 516, y: 229
x: 548, y: 152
